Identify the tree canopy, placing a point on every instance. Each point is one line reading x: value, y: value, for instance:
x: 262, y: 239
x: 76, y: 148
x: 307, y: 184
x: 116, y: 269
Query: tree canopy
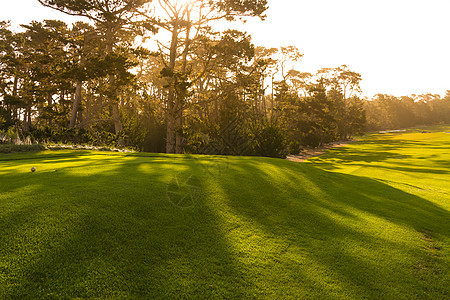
x: 159, y: 76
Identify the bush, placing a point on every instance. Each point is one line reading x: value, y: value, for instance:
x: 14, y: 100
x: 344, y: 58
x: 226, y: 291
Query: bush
x: 269, y: 141
x: 11, y: 148
x: 294, y: 147
x: 14, y: 136
x: 76, y: 136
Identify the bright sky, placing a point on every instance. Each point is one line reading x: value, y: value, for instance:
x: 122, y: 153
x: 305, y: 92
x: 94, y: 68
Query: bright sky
x: 400, y: 47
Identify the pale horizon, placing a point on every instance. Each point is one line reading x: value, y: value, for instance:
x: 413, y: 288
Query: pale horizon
x: 399, y: 47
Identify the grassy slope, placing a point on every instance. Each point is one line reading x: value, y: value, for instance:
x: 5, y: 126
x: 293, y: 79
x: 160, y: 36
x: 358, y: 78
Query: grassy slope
x: 367, y: 221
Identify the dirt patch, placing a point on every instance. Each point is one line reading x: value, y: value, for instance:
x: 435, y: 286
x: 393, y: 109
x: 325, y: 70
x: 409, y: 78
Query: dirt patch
x: 431, y: 245
x: 313, y: 152
x: 429, y: 264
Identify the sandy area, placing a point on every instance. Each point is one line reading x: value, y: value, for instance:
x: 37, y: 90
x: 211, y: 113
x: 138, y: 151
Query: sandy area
x: 313, y: 152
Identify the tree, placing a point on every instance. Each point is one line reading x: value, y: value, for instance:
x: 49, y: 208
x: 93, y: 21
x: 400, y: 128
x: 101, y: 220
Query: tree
x: 342, y: 84
x: 288, y: 54
x: 117, y: 22
x: 187, y: 23
x: 318, y: 122
x: 46, y: 59
x: 8, y: 78
x: 265, y: 65
x: 301, y: 82
x: 84, y: 42
x: 224, y: 100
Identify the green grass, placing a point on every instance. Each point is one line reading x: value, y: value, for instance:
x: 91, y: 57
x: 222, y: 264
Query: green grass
x: 370, y: 220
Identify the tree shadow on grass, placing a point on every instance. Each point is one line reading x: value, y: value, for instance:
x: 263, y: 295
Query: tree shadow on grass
x: 336, y: 158
x: 114, y: 235
x: 53, y: 170
x: 261, y: 228
x: 324, y: 214
x: 347, y: 155
x: 385, y: 147
x: 326, y: 164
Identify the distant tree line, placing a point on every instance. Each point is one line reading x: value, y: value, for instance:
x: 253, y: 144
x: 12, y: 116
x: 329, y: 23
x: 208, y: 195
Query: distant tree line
x: 197, y: 90
x: 389, y: 112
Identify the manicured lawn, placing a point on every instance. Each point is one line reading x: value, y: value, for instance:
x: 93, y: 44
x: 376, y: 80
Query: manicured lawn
x: 370, y: 220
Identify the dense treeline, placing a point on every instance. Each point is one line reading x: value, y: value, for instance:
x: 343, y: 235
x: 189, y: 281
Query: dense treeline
x: 389, y: 112
x: 196, y: 90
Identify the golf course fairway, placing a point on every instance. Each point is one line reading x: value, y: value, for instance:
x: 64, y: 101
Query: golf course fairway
x: 365, y: 221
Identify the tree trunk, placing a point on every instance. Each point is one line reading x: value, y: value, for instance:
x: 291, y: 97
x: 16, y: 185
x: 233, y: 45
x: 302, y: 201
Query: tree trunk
x: 27, y: 119
x: 76, y: 104
x: 14, y: 93
x: 50, y: 107
x: 181, y: 96
x: 171, y: 101
x: 170, y: 123
x: 179, y: 132
x: 345, y: 133
x: 271, y: 112
x: 115, y: 105
x: 116, y: 117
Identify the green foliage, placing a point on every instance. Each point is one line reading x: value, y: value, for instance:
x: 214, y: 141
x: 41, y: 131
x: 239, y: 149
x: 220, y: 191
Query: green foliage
x: 389, y: 112
x: 319, y: 124
x: 14, y: 136
x: 76, y: 136
x: 200, y: 93
x: 233, y: 7
x: 11, y: 148
x: 118, y: 11
x: 144, y: 130
x: 269, y: 141
x: 228, y: 137
x: 356, y: 117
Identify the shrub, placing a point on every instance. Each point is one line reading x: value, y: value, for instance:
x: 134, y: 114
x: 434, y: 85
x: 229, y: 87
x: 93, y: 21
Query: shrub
x: 11, y: 148
x: 269, y: 141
